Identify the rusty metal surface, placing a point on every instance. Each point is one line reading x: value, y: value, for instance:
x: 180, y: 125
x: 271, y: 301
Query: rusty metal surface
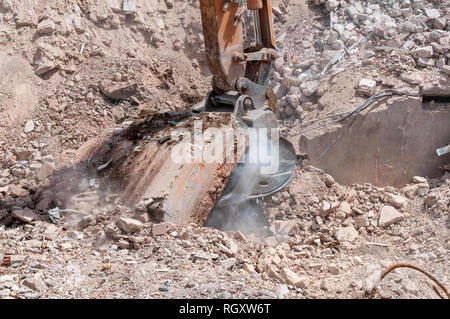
x: 182, y: 192
x: 266, y: 22
x: 222, y: 38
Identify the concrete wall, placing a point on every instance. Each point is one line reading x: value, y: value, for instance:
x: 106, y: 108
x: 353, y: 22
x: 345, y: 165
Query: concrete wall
x: 387, y: 146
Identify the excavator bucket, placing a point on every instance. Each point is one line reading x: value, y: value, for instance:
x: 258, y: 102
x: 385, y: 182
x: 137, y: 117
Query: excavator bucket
x: 163, y: 173
x: 147, y: 165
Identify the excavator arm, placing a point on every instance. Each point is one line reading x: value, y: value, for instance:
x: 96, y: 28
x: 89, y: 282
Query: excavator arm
x: 223, y: 31
x: 240, y: 85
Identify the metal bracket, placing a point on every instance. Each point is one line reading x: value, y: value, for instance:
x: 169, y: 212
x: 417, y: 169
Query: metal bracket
x: 267, y: 55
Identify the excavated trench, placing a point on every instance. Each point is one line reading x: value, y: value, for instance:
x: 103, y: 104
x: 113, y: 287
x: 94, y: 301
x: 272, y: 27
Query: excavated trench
x: 387, y: 145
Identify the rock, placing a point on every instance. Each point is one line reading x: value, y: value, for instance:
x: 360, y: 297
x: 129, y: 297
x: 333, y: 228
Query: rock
x: 334, y: 269
x: 124, y: 244
x: 17, y: 191
x: 413, y: 78
x: 346, y: 208
x: 432, y: 13
x: 277, y: 11
x: 286, y: 227
x: 117, y: 91
x: 366, y: 87
x: 362, y: 220
x: 328, y: 180
x: 293, y: 100
x: 249, y: 268
x: 289, y: 81
x: 423, y: 188
x: 75, y: 235
x: 159, y: 229
x: 325, y: 208
x: 440, y: 23
x: 411, y: 190
x: 445, y: 69
x: 331, y: 5
x: 50, y: 231
x: 143, y: 217
x: 278, y: 63
x: 169, y: 3
x: 437, y: 49
x: 24, y: 155
x: 232, y: 246
x: 425, y: 62
x: 228, y: 263
x: 293, y: 279
x: 373, y: 277
x: 129, y: 225
x: 36, y: 284
x: 274, y: 274
x: 309, y: 88
x: 419, y: 180
x: 397, y: 200
x: 45, y: 171
x: 423, y: 52
x: 44, y: 204
x: 29, y: 126
x: 324, y: 285
x: 388, y: 216
x: 45, y: 27
x: 348, y: 233
x: 5, y: 293
x: 411, y: 287
x: 281, y: 291
x: 129, y: 6
x: 340, y: 215
x: 114, y: 5
x: 45, y: 66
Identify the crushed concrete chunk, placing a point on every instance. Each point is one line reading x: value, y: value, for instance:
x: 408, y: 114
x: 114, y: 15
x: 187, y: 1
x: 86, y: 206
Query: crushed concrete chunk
x: 413, y: 78
x: 419, y: 179
x: 25, y: 215
x: 18, y: 191
x: 228, y: 263
x: 293, y: 279
x: 348, y: 233
x: 423, y: 52
x: 397, y: 200
x: 29, y: 126
x: 388, y: 216
x: 159, y: 229
x: 411, y: 190
x: 432, y: 13
x: 45, y: 27
x: 129, y: 225
x: 129, y: 6
x: 36, y: 284
x: 362, y: 220
x: 366, y: 87
x: 425, y: 62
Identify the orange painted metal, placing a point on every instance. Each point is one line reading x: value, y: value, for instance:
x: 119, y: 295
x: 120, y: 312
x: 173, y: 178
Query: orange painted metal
x: 223, y: 34
x: 254, y: 4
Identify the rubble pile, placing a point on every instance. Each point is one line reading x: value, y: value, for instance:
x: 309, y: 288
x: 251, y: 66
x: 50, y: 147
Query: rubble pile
x: 318, y: 233
x: 401, y: 38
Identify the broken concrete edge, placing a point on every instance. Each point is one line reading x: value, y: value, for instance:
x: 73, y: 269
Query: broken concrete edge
x: 397, y: 112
